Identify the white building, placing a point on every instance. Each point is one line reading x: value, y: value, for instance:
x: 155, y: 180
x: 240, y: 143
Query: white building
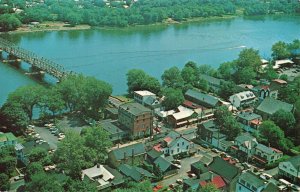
x: 242, y: 99
x: 266, y: 154
x: 249, y: 182
x: 142, y: 96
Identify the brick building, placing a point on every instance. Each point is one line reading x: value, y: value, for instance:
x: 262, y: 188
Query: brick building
x: 136, y: 119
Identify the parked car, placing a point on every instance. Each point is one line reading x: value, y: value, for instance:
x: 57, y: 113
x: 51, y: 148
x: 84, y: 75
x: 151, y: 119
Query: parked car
x: 191, y: 175
x: 204, y: 145
x: 54, y: 131
x: 215, y: 150
x: 179, y: 181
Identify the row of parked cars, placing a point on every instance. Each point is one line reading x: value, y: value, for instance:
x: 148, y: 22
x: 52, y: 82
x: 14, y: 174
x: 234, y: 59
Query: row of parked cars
x: 55, y: 131
x: 31, y: 132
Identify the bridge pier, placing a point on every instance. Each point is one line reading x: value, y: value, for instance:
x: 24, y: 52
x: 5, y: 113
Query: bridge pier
x: 1, y: 56
x: 37, y: 72
x: 13, y: 60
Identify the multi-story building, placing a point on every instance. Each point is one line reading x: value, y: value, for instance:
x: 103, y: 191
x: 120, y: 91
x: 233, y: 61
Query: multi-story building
x: 267, y: 155
x: 243, y: 99
x: 249, y: 121
x: 249, y: 182
x: 290, y: 169
x: 136, y: 119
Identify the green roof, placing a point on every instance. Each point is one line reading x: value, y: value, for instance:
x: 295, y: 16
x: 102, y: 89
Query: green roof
x: 204, y: 98
x: 162, y: 163
x: 7, y: 137
x: 118, y: 176
x: 295, y: 161
x: 200, y: 166
x: 136, y: 173
x: 209, y: 124
x: 254, y: 180
x: 109, y: 126
x: 211, y: 79
x: 192, y: 183
x: 154, y: 154
x: 270, y: 106
x: 135, y: 108
x: 248, y: 116
x: 130, y: 150
x: 224, y: 169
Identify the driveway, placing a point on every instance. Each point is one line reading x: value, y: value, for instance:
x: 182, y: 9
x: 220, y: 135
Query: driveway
x: 47, y: 136
x: 182, y: 172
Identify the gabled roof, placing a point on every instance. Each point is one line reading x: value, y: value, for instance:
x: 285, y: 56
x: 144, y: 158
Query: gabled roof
x: 130, y: 150
x: 135, y: 108
x: 200, y: 166
x: 183, y: 113
x: 224, y: 169
x: 248, y: 116
x: 154, y: 153
x: 217, y: 180
x: 97, y: 172
x: 211, y: 79
x: 267, y: 150
x: 203, y: 97
x: 162, y: 163
x: 252, y: 179
x: 136, y: 173
x: 295, y: 161
x: 245, y: 95
x: 246, y: 140
x: 110, y: 126
x: 270, y: 106
x: 173, y: 137
x: 209, y: 124
x: 144, y: 93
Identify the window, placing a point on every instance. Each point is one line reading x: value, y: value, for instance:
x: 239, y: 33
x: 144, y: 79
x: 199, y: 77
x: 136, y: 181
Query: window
x: 187, y: 147
x: 177, y: 144
x: 172, y: 151
x: 182, y: 143
x: 177, y: 150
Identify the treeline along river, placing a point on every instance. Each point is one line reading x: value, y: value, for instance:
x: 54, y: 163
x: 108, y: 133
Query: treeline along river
x: 108, y: 54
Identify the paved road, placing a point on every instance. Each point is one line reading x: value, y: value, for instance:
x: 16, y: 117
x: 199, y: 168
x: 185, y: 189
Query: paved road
x: 182, y: 172
x: 47, y: 136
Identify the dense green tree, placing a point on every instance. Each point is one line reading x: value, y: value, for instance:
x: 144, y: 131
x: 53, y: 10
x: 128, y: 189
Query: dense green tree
x: 80, y: 186
x: 86, y: 94
x: 28, y: 97
x: 285, y: 120
x: 227, y: 89
x: 226, y: 69
x: 245, y: 75
x: 53, y: 101
x: 201, y: 84
x: 9, y: 22
x: 32, y: 169
x: 173, y: 98
x: 138, y: 80
x: 4, y: 182
x: 72, y: 155
x: 210, y: 187
x: 249, y: 58
x: 172, y: 78
x: 144, y: 186
x: 44, y: 183
x: 7, y: 160
x: 273, y: 135
x: 97, y: 141
x: 38, y: 154
x: 280, y: 50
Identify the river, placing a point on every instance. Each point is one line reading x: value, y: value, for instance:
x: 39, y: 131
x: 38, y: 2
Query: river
x: 108, y: 54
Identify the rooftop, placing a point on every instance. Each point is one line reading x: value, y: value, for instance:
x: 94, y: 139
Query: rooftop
x: 97, y: 172
x: 245, y: 95
x: 249, y: 116
x: 144, y: 93
x: 252, y: 179
x: 134, y: 172
x: 266, y: 149
x: 7, y: 137
x: 270, y: 106
x: 211, y: 79
x: 224, y: 169
x: 110, y: 126
x: 163, y: 163
x: 135, y: 108
x: 130, y: 150
x: 203, y: 97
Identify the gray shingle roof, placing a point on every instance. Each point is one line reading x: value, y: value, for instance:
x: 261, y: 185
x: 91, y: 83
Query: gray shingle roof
x: 211, y: 79
x: 137, y: 149
x: 264, y: 149
x: 202, y: 97
x: 135, y: 108
x: 270, y: 106
x: 109, y: 126
x: 252, y: 179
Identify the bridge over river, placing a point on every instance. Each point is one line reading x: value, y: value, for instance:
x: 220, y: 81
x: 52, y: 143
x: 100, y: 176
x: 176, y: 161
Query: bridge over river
x: 39, y: 65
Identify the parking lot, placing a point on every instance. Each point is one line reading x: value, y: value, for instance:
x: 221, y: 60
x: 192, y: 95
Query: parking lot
x: 292, y: 73
x: 46, y: 135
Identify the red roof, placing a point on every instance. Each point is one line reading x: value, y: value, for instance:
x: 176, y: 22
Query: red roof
x: 190, y: 104
x: 265, y: 87
x: 219, y: 182
x: 276, y: 150
x: 256, y: 121
x: 234, y: 147
x: 157, y: 147
x: 167, y: 139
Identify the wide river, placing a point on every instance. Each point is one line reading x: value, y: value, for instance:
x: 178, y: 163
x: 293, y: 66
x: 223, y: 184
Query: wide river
x: 108, y: 54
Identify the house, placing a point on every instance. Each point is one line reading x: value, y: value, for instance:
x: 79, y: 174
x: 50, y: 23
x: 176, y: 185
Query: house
x: 136, y: 119
x: 263, y: 91
x: 245, y: 144
x: 165, y: 166
x: 290, y: 169
x: 199, y: 168
x: 115, y: 133
x: 242, y: 99
x: 132, y: 154
x: 181, y: 117
x: 174, y: 144
x: 203, y: 99
x: 249, y: 121
x: 226, y: 170
x: 142, y: 96
x: 204, y: 179
x: 209, y: 132
x: 20, y: 152
x: 111, y: 113
x: 7, y: 139
x: 135, y: 173
x: 277, y: 84
x: 283, y: 63
x: 249, y: 182
x: 99, y: 175
x: 266, y: 155
x: 213, y: 83
x: 153, y: 154
x: 269, y: 106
